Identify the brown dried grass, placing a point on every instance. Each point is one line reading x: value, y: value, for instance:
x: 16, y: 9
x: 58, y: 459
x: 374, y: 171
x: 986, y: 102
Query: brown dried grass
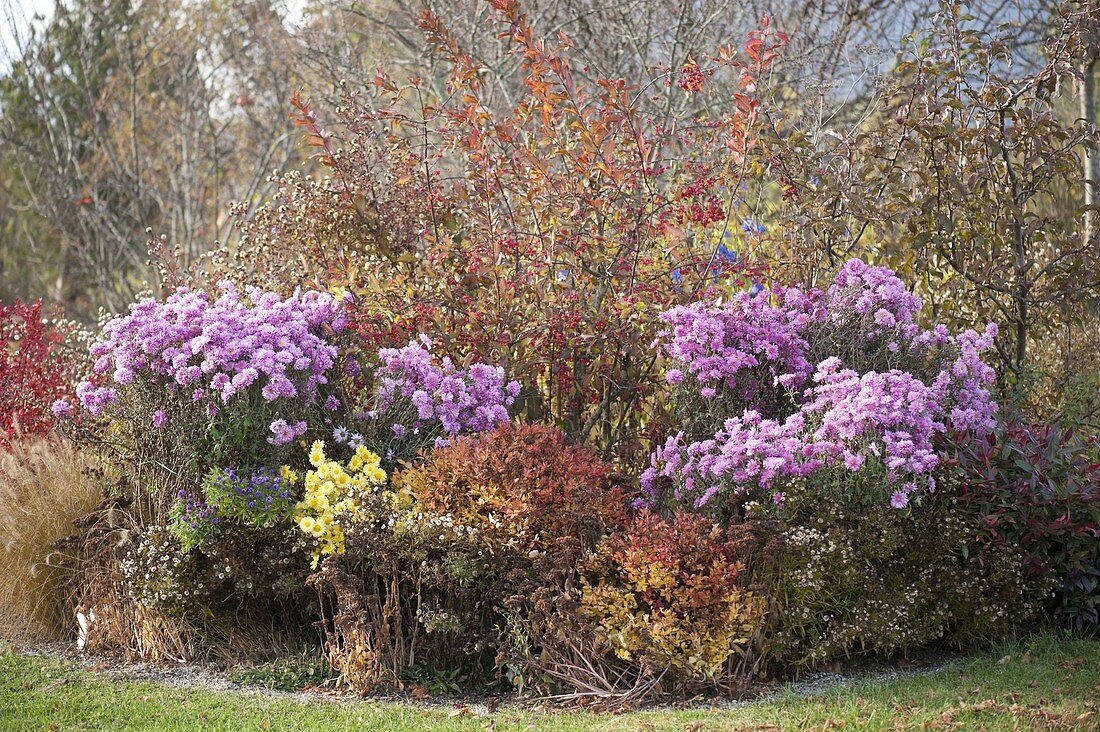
x: 45, y: 485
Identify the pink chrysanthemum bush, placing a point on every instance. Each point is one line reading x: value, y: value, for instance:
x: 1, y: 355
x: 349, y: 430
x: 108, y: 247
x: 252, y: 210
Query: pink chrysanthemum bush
x: 204, y: 380
x: 779, y: 385
x: 825, y: 411
x: 421, y: 400
x: 194, y: 402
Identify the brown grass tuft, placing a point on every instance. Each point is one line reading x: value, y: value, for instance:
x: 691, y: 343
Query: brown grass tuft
x: 44, y: 487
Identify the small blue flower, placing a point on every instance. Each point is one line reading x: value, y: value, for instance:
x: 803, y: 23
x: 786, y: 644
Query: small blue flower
x: 728, y: 254
x: 752, y: 228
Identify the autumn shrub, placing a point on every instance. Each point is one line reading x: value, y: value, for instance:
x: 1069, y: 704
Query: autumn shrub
x: 519, y: 483
x: 661, y: 605
x: 37, y: 368
x: 544, y: 237
x: 1034, y: 489
x: 671, y: 597
x: 45, y: 485
x: 859, y: 576
x: 425, y: 565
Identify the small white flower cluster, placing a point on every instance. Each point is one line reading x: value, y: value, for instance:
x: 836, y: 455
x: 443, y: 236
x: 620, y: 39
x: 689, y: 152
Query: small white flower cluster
x: 159, y: 574
x: 437, y: 620
x: 433, y: 526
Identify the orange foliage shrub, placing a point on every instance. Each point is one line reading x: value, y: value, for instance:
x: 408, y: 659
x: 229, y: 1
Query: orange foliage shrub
x: 523, y: 482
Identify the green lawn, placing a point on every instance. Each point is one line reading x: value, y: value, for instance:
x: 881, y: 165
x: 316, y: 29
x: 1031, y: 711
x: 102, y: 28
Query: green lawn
x: 1044, y: 683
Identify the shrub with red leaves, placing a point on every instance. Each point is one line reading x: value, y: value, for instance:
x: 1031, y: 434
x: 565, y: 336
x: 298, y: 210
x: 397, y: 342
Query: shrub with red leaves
x: 521, y: 480
x: 33, y: 370
x: 1037, y: 488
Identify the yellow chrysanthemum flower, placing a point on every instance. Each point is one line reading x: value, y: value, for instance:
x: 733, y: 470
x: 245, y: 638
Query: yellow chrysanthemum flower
x: 329, y: 495
x: 317, y: 454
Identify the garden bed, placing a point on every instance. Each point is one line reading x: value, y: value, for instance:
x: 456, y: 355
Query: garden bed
x: 570, y: 404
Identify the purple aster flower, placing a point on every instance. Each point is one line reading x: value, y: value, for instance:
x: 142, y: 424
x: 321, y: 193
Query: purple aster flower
x: 743, y: 348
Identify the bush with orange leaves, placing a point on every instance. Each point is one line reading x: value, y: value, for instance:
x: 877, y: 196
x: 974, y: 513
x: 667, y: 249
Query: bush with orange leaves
x: 520, y: 483
x: 663, y: 604
x: 673, y: 593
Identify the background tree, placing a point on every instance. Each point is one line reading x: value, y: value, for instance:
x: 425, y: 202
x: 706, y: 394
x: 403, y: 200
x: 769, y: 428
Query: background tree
x: 118, y: 118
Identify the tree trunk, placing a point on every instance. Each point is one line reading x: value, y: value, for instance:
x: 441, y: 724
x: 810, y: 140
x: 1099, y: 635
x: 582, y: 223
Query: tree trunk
x: 1092, y: 159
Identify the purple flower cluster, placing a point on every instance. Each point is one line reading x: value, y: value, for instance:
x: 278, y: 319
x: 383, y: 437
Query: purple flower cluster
x: 219, y: 348
x: 840, y: 417
x: 284, y: 433
x: 733, y: 345
x: 252, y: 496
x: 434, y: 393
x: 874, y: 293
x: 747, y: 449
x: 195, y: 513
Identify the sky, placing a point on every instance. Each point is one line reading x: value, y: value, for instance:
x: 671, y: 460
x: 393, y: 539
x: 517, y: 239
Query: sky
x: 16, y: 17
x: 15, y: 22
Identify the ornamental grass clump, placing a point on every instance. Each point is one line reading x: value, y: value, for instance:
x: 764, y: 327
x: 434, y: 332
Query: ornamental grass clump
x: 45, y: 485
